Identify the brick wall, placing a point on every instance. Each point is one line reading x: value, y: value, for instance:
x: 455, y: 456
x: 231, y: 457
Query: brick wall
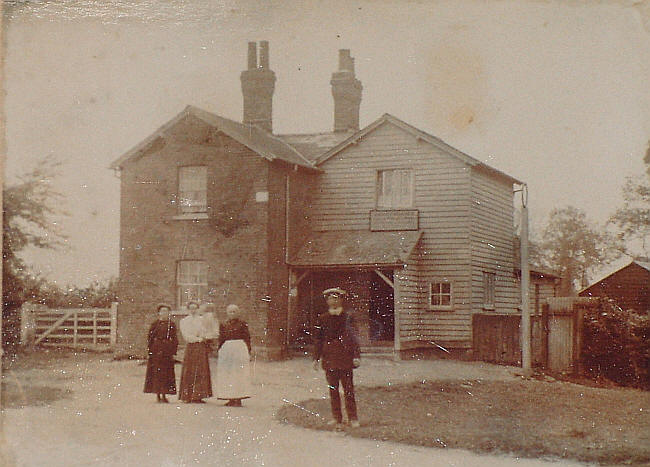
x: 152, y: 241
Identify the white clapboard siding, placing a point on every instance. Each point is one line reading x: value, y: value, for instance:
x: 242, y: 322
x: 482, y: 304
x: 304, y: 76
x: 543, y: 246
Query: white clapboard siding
x: 345, y: 193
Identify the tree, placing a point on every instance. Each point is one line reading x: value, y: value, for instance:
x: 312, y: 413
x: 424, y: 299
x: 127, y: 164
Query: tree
x: 29, y: 207
x: 633, y: 218
x: 574, y: 247
x: 96, y: 295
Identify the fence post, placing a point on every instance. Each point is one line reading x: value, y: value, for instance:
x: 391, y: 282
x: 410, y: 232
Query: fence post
x: 544, y: 334
x: 95, y: 327
x: 113, y: 325
x: 27, y: 325
x: 74, y: 329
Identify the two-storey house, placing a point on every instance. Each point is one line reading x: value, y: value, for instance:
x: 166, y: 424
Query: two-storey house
x: 419, y: 233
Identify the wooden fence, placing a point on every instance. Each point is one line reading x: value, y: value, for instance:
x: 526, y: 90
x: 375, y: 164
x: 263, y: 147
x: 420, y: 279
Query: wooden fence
x: 556, y: 335
x: 497, y: 338
x: 92, y: 328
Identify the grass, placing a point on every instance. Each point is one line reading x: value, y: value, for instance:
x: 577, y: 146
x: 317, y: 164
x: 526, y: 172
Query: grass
x: 525, y: 418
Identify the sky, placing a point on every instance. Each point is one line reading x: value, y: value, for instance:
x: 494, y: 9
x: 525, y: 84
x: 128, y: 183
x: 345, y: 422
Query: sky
x: 554, y: 93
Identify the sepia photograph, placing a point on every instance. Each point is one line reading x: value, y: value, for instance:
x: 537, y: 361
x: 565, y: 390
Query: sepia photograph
x: 325, y: 233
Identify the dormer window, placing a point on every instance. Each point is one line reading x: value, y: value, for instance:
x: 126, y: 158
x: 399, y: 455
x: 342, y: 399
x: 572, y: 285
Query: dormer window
x: 193, y: 189
x: 395, y: 189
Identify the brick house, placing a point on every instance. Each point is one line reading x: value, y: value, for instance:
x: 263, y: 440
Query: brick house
x: 419, y: 233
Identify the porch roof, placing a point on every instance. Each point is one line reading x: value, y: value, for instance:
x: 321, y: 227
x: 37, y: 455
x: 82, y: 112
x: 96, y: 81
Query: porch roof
x: 356, y: 248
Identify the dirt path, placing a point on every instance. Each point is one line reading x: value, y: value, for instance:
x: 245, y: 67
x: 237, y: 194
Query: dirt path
x: 107, y: 420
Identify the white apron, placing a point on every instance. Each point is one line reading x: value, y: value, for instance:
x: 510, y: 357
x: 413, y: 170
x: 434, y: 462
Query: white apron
x: 233, y: 371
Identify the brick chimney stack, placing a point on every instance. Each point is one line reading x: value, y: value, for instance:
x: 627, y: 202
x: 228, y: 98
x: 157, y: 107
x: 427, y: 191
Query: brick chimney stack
x: 346, y: 90
x: 257, y: 85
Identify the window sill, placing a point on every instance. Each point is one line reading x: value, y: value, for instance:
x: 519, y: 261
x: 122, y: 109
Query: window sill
x: 191, y: 216
x: 488, y: 307
x: 445, y: 309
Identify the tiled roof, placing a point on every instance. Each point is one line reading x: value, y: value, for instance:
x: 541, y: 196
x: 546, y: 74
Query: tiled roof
x: 263, y: 143
x: 312, y: 146
x: 356, y: 247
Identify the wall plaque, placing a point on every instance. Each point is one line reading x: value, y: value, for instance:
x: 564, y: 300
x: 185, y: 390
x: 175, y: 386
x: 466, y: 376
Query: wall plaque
x: 403, y: 219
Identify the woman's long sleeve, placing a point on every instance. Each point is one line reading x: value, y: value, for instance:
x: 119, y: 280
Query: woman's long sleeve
x: 190, y: 331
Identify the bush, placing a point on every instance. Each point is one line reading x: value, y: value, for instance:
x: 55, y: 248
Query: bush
x: 616, y: 345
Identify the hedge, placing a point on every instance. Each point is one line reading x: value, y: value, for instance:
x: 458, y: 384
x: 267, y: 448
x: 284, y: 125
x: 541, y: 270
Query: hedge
x: 616, y: 345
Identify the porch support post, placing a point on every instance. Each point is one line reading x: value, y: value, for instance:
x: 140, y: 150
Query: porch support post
x: 301, y: 277
x: 385, y: 279
x: 292, y: 305
x: 397, y: 306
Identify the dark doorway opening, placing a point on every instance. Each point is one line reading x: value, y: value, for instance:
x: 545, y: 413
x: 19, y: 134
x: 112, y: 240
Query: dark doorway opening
x: 382, y: 308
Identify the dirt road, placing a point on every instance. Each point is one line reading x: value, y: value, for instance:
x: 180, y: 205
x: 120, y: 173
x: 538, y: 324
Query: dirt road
x: 107, y: 420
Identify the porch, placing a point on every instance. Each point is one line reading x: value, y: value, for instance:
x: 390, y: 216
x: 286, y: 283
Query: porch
x: 369, y: 266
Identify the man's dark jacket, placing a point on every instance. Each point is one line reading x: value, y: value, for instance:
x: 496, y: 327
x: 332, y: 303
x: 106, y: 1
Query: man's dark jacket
x: 336, y: 341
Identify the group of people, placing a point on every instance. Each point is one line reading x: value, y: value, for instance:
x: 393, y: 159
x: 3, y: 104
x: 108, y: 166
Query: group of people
x: 202, y: 333
x: 336, y: 350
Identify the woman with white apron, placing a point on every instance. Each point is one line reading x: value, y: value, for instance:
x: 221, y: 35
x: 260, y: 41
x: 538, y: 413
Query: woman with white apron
x: 233, y: 367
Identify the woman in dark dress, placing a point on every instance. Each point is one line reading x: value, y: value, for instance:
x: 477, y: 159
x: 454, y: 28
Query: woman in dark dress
x: 234, y: 380
x: 162, y: 344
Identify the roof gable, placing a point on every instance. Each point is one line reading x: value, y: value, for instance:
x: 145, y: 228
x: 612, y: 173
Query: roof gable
x: 417, y: 133
x: 254, y: 138
x: 643, y: 263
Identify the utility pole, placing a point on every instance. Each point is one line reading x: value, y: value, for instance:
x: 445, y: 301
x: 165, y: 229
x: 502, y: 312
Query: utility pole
x: 526, y: 363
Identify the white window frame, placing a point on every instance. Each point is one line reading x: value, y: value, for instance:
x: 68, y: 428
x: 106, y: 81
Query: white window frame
x: 437, y: 289
x: 193, y: 189
x: 489, y: 290
x: 395, y: 189
x: 191, y: 281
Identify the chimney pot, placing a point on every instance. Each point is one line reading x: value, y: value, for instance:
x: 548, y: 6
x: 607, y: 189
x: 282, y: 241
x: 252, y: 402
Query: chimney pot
x: 252, y: 55
x: 264, y: 55
x: 345, y: 60
x: 258, y: 84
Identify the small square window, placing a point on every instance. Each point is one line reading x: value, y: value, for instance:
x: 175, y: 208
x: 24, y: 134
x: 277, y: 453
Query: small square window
x: 440, y: 295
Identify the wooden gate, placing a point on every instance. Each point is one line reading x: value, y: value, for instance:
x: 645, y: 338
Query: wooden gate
x: 94, y: 328
x: 563, y: 318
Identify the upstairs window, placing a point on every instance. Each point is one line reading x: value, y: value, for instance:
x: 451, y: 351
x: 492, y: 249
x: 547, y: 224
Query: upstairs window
x: 193, y: 189
x: 488, y: 289
x: 440, y: 295
x: 395, y: 189
x: 191, y: 281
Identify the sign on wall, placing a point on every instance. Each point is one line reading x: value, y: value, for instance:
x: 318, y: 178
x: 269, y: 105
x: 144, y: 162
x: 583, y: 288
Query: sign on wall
x: 383, y: 220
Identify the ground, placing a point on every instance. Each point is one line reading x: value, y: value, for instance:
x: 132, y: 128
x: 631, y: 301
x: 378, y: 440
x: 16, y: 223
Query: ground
x: 90, y: 410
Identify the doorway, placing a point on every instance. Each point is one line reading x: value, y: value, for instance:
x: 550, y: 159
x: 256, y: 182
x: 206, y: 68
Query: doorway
x: 381, y: 308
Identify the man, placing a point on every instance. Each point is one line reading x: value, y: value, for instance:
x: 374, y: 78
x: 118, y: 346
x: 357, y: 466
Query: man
x: 337, y: 345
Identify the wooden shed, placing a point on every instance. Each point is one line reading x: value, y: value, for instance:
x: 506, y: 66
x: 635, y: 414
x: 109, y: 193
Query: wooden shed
x: 629, y: 286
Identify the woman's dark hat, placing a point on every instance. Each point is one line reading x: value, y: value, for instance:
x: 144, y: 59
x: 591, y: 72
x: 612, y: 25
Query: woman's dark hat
x: 163, y: 305
x: 335, y: 291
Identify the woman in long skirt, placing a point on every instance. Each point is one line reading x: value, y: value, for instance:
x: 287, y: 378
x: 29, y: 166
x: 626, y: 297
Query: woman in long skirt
x: 162, y: 344
x: 196, y: 384
x: 234, y: 344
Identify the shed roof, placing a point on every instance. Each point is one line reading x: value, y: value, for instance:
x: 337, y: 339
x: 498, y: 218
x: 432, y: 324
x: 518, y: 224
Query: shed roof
x: 263, y: 143
x: 356, y: 248
x: 641, y: 262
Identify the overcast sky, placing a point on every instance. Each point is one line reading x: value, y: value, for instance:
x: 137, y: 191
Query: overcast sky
x: 553, y: 93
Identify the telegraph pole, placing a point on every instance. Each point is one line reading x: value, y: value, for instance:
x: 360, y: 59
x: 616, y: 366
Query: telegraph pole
x: 526, y: 363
